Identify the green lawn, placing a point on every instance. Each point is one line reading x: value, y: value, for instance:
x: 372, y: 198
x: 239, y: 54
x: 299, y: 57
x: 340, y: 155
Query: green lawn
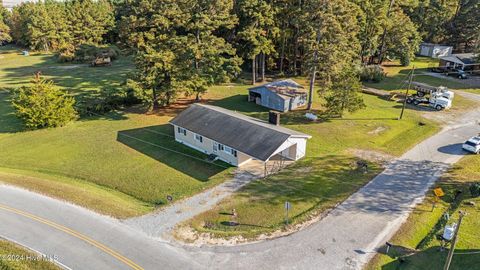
x: 124, y: 154
x: 14, y: 257
x: 397, y: 76
x: 322, y: 179
x: 16, y: 70
x: 133, y: 157
x: 416, y: 242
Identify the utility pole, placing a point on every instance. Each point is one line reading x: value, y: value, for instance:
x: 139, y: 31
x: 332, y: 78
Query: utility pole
x: 406, y: 94
x: 454, y: 242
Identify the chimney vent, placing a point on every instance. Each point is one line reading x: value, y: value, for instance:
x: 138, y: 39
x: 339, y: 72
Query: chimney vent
x: 274, y: 118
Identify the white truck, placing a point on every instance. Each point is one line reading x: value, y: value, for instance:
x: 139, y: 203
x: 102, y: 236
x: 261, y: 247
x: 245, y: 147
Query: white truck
x: 472, y: 145
x: 439, y: 98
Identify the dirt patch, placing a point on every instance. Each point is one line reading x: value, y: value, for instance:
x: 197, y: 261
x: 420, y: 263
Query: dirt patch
x: 187, y: 235
x: 378, y: 130
x: 370, y: 155
x: 67, y: 67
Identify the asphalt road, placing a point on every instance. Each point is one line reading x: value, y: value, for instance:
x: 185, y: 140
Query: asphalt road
x: 345, y: 239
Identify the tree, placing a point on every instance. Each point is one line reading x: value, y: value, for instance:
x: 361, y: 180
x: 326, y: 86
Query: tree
x: 43, y: 105
x: 89, y: 20
x: 464, y: 28
x: 402, y: 39
x: 371, y: 23
x: 255, y: 31
x: 215, y: 60
x: 344, y: 96
x: 331, y: 43
x: 177, y: 50
x: 4, y: 29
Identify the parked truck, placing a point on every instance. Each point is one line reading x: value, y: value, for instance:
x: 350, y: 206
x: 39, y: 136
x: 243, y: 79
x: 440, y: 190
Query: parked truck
x: 439, y: 98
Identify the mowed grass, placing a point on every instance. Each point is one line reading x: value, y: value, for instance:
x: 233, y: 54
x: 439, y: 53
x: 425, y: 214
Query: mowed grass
x: 325, y: 177
x: 103, y: 200
x: 130, y: 156
x: 419, y: 234
x: 397, y: 75
x: 134, y: 154
x: 14, y: 257
x: 17, y: 70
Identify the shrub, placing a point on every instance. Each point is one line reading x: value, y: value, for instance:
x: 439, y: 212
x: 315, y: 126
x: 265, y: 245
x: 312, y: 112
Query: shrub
x: 372, y: 73
x: 107, y: 100
x: 86, y: 52
x: 405, y: 59
x: 475, y: 190
x: 43, y: 105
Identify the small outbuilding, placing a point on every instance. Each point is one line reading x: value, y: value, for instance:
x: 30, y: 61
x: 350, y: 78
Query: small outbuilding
x: 236, y: 138
x: 434, y: 50
x: 463, y: 61
x: 283, y: 95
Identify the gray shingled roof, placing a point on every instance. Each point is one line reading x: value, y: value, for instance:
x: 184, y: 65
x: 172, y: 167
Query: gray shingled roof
x: 281, y: 83
x: 251, y: 136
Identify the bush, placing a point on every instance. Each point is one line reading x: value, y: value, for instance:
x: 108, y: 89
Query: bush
x: 87, y: 53
x: 475, y: 190
x: 43, y: 105
x: 107, y: 100
x: 66, y: 53
x: 373, y: 73
x: 405, y: 60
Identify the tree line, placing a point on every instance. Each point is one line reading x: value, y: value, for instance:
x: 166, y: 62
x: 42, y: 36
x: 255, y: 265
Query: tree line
x: 184, y: 46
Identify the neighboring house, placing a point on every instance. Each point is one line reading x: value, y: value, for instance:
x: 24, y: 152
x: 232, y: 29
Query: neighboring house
x: 283, y: 95
x: 434, y: 50
x: 236, y: 138
x: 463, y: 61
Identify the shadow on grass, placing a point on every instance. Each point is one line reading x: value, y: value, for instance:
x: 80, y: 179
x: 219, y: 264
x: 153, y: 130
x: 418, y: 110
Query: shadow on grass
x: 9, y: 123
x: 158, y: 143
x: 430, y: 258
x: 75, y: 77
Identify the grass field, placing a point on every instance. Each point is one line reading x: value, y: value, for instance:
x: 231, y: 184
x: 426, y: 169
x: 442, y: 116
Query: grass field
x: 14, y: 257
x: 128, y: 154
x: 397, y: 76
x: 416, y: 243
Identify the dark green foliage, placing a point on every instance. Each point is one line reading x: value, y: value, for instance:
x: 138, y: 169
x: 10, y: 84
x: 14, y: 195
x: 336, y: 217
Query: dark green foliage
x: 108, y: 99
x: 52, y: 25
x: 372, y: 73
x: 475, y: 190
x: 344, y: 95
x: 4, y: 29
x: 177, y: 48
x: 43, y: 105
x: 405, y: 59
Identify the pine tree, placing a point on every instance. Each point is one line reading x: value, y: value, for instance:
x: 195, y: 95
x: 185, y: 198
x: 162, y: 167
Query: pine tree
x: 255, y: 31
x: 43, y: 105
x: 214, y: 59
x: 345, y: 94
x: 331, y: 43
x: 4, y: 29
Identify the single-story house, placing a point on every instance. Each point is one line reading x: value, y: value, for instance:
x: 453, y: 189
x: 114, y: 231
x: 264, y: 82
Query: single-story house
x: 463, y: 61
x: 282, y: 95
x: 236, y: 138
x: 434, y: 50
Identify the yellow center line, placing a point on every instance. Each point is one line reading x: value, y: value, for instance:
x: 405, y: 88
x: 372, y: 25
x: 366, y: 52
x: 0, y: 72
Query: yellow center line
x: 75, y: 234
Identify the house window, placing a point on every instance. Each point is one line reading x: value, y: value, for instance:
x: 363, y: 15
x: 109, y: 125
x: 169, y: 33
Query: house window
x: 220, y: 147
x: 215, y: 147
x: 198, y: 138
x: 230, y: 151
x: 182, y: 130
